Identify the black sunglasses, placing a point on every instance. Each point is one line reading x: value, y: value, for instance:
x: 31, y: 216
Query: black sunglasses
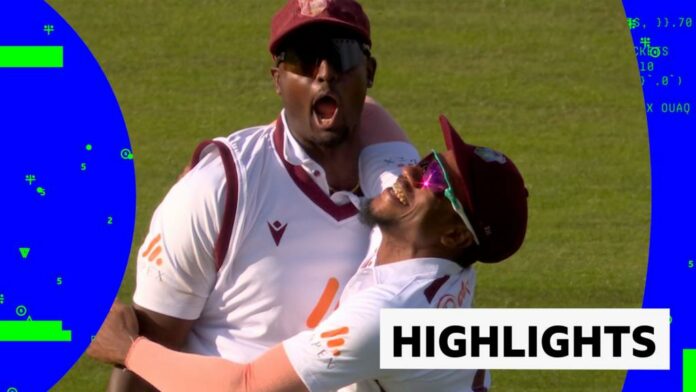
x: 342, y: 54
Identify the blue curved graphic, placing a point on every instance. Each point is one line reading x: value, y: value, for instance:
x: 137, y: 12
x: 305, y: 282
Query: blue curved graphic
x: 664, y: 36
x: 69, y: 196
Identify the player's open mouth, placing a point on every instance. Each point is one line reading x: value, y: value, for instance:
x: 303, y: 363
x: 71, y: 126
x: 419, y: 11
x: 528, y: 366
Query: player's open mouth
x: 399, y: 193
x: 324, y: 110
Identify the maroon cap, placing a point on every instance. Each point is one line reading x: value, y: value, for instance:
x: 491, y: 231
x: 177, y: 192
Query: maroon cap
x: 492, y: 192
x: 300, y: 13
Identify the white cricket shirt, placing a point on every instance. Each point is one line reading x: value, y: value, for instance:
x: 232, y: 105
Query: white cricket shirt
x: 344, y: 349
x: 293, y: 247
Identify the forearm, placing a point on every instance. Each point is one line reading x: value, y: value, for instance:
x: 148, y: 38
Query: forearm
x: 174, y: 371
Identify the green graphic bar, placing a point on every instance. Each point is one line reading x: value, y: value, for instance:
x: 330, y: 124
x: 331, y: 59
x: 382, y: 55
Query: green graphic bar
x: 689, y: 371
x: 33, y: 331
x: 31, y: 57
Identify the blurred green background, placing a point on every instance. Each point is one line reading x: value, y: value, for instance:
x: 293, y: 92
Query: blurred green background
x: 552, y: 83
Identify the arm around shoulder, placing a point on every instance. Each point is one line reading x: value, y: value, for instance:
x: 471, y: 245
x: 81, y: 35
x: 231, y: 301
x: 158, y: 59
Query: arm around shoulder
x: 179, y: 372
x: 378, y: 126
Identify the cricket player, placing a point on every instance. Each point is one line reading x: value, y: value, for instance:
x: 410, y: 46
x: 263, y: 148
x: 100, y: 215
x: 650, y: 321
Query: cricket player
x: 452, y: 209
x: 256, y: 242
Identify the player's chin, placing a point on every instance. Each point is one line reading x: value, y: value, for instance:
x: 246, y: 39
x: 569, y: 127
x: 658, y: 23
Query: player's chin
x: 386, y: 207
x: 374, y: 215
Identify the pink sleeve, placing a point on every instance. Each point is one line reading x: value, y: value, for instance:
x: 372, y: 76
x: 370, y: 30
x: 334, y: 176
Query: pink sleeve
x: 378, y: 126
x: 172, y: 371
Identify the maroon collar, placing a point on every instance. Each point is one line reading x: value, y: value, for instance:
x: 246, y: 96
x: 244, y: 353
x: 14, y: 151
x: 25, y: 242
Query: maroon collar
x: 306, y: 183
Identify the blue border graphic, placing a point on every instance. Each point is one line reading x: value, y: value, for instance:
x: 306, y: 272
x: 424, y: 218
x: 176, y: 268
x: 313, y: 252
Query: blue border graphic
x: 664, y: 37
x: 69, y: 206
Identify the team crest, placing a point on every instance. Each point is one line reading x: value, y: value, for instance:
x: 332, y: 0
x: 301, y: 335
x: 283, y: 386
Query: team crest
x: 490, y: 155
x: 312, y: 7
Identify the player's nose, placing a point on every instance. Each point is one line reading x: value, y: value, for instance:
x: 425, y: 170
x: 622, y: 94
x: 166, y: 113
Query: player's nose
x: 326, y: 72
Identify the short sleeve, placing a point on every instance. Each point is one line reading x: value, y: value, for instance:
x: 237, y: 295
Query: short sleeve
x: 343, y: 349
x: 380, y: 165
x: 176, y: 268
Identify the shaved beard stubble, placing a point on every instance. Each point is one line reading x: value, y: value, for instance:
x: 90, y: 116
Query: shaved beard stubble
x: 369, y: 218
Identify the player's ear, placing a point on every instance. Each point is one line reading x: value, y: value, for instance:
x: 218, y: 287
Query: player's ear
x: 275, y: 74
x: 457, y: 237
x: 371, y: 71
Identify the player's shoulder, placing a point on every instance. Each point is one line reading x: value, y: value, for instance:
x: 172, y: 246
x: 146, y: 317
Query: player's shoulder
x: 252, y: 141
x: 398, y: 291
x: 425, y: 290
x: 199, y: 192
x: 211, y: 166
x: 250, y: 133
x: 369, y: 301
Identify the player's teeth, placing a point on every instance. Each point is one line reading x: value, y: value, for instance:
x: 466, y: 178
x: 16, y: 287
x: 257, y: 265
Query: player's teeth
x: 400, y: 194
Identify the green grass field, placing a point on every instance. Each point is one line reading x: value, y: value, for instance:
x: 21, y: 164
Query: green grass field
x: 553, y: 83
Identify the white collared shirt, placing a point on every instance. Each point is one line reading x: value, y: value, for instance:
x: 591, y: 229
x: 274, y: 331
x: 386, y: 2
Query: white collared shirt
x: 379, y: 166
x: 353, y: 329
x: 291, y: 247
x: 296, y: 155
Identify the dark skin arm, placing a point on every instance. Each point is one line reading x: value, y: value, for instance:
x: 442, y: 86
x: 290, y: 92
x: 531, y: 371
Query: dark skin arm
x: 168, y: 331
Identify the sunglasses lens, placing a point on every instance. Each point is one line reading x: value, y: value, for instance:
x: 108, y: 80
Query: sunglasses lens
x: 342, y: 54
x: 348, y: 52
x: 433, y: 178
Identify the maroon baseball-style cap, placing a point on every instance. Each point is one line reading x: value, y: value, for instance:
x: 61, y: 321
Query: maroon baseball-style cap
x: 492, y: 192
x: 348, y: 14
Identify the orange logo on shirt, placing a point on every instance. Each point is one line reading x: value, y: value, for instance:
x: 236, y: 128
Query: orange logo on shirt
x: 328, y: 345
x: 153, y: 252
x: 335, y: 339
x: 324, y: 303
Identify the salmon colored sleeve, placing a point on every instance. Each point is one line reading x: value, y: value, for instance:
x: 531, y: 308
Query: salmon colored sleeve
x: 173, y: 371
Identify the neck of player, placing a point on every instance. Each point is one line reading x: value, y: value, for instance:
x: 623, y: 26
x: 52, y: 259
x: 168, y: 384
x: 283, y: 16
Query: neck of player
x: 340, y: 162
x: 395, y: 248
